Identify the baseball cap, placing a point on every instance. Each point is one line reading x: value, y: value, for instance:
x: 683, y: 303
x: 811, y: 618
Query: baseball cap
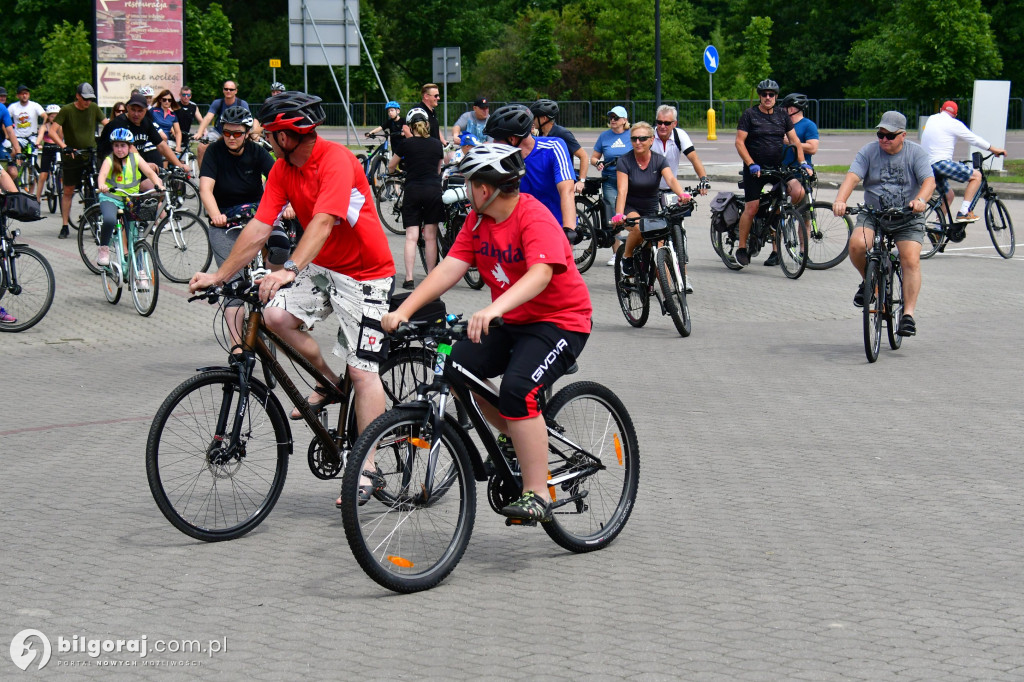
x: 22, y: 88
x: 482, y: 103
x: 618, y: 111
x: 893, y: 121
x: 138, y: 99
x: 949, y: 106
x: 3, y: 90
x: 86, y: 91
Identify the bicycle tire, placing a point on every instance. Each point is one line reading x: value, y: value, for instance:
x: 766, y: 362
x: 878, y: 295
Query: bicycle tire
x: 144, y: 298
x: 632, y: 294
x: 216, y: 500
x: 113, y: 277
x: 377, y: 171
x: 388, y: 196
x: 894, y: 304
x: 585, y: 252
x: 406, y: 538
x: 1000, y: 228
x: 672, y: 290
x: 89, y: 237
x: 828, y: 241
x: 791, y: 242
x: 185, y: 194
x: 592, y: 416
x: 873, y: 305
x: 35, y: 289
x: 179, y: 260
x: 55, y: 189
x: 935, y: 229
x: 723, y: 249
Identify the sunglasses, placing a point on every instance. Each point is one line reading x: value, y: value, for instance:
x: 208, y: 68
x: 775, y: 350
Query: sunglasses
x: 640, y: 138
x: 887, y: 136
x: 234, y: 134
x: 768, y: 93
x: 664, y: 123
x: 186, y: 94
x: 166, y: 99
x: 230, y: 89
x: 613, y: 117
x: 118, y: 111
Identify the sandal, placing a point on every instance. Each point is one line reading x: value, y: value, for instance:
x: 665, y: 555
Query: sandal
x: 907, y: 326
x: 367, y: 490
x: 529, y: 507
x: 317, y: 406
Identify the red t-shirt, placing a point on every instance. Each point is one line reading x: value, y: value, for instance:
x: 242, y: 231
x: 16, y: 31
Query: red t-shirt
x: 503, y: 252
x: 332, y: 182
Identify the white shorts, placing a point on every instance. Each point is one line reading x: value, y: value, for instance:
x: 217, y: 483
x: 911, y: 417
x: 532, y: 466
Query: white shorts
x: 212, y: 134
x: 317, y: 291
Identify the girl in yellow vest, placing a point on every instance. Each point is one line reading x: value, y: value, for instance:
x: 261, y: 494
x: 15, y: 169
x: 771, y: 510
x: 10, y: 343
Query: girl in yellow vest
x: 123, y: 170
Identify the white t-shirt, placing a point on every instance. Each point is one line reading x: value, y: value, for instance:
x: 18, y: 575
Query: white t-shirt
x: 25, y: 118
x: 940, y: 135
x: 671, y: 151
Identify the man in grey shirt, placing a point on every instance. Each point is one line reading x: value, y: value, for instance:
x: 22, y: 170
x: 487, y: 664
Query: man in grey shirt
x: 896, y: 173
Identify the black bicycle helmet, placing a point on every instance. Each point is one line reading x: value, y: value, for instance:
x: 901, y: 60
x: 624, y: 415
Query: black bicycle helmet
x: 237, y: 115
x: 544, y: 107
x: 795, y: 99
x: 512, y: 120
x: 292, y: 110
x: 768, y: 84
x: 496, y: 164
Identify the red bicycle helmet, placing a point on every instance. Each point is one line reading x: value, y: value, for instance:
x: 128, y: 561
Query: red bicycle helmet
x: 292, y: 110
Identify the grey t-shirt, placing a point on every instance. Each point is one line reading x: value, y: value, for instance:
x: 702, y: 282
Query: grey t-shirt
x: 891, y: 180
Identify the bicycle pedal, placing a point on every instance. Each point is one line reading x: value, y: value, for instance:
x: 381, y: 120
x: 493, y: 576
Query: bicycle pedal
x: 519, y: 522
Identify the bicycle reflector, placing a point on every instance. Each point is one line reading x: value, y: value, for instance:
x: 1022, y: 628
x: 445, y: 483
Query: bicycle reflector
x: 401, y: 562
x: 618, y: 447
x: 420, y: 443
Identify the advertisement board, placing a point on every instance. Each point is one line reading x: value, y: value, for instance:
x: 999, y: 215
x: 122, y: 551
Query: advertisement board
x: 140, y: 31
x: 116, y: 81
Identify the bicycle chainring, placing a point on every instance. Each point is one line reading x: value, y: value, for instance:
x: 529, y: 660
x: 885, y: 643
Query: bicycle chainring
x: 957, y: 232
x: 320, y: 465
x: 501, y: 493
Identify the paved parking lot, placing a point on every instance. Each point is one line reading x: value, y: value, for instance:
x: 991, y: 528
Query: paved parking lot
x: 802, y: 515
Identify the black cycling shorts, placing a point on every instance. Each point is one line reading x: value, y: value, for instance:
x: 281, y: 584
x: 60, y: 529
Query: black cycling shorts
x: 530, y: 356
x: 752, y: 185
x: 421, y: 204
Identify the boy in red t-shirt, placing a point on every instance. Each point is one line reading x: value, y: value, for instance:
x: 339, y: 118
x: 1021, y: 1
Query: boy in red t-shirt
x: 523, y: 256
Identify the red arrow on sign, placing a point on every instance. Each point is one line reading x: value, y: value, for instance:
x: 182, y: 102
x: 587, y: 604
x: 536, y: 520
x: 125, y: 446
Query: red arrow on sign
x: 104, y: 79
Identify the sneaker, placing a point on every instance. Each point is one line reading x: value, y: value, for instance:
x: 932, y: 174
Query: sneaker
x: 687, y: 284
x: 611, y: 261
x: 907, y: 326
x: 142, y: 279
x: 628, y: 267
x: 772, y: 259
x: 104, y: 256
x: 858, y: 298
x: 968, y: 217
x: 742, y: 257
x: 64, y: 232
x: 409, y: 284
x: 529, y: 507
x: 7, y: 317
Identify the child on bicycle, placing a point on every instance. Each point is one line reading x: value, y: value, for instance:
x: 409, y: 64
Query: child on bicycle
x: 122, y: 171
x: 523, y: 256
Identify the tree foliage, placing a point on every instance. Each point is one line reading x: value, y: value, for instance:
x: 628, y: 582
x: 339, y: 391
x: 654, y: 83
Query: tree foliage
x: 208, y: 49
x: 68, y: 58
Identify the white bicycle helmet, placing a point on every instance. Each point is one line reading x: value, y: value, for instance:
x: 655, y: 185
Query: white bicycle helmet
x: 53, y: 108
x: 500, y: 165
x: 146, y: 91
x: 416, y: 114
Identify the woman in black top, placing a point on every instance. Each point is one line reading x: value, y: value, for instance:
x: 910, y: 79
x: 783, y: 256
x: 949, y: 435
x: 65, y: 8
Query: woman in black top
x: 422, y: 156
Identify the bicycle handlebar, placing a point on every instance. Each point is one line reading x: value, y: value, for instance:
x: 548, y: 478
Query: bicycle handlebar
x: 890, y: 213
x: 418, y: 330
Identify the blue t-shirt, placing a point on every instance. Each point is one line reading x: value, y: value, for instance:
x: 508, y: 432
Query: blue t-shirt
x: 805, y: 130
x: 612, y: 146
x: 6, y: 119
x: 548, y: 164
x: 218, y: 108
x: 165, y: 123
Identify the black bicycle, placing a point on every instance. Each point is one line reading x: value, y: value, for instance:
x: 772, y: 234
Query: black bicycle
x: 26, y: 278
x: 424, y: 465
x: 456, y: 208
x: 777, y: 222
x: 388, y: 192
x: 661, y: 257
x: 883, y: 279
x: 593, y: 225
x: 53, y: 188
x: 88, y: 194
x: 941, y: 226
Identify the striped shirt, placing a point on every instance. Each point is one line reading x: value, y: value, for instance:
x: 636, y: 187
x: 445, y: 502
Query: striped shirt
x: 548, y: 164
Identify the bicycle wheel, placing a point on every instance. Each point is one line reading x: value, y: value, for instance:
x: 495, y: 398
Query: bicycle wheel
x: 185, y: 194
x: 672, y: 290
x: 791, y: 242
x: 934, y: 230
x: 414, y: 530
x: 1000, y: 227
x: 634, y: 297
x: 145, y: 289
x: 54, y: 189
x: 829, y: 238
x: 182, y: 246
x: 377, y: 172
x: 388, y: 195
x: 873, y: 304
x: 723, y: 247
x: 595, y: 464
x: 113, y: 277
x: 29, y: 293
x: 894, y: 298
x: 585, y: 251
x: 206, y: 486
x: 91, y: 222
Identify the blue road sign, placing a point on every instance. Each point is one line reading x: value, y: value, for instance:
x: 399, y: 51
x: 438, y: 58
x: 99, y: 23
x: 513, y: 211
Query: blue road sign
x: 711, y: 58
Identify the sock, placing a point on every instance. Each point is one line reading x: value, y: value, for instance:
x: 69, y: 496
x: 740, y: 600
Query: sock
x: 965, y: 207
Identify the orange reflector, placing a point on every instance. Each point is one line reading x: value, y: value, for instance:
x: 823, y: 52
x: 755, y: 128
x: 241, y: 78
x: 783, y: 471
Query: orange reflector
x: 551, y: 489
x: 399, y: 561
x: 618, y: 447
x: 420, y: 443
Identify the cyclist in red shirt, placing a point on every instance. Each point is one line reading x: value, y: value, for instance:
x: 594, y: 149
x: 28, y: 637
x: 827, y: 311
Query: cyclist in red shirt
x: 523, y: 256
x: 342, y: 263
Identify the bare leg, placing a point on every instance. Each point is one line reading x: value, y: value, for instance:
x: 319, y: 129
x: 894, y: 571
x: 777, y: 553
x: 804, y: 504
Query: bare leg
x: 412, y: 236
x: 860, y: 239
x: 910, y: 262
x: 530, y: 437
x: 430, y: 240
x: 633, y: 238
x: 287, y: 326
x: 972, y: 185
x: 65, y: 204
x: 746, y: 221
x: 43, y: 176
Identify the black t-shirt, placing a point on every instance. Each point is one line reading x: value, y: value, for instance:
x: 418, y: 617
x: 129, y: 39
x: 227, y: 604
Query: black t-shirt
x: 393, y: 127
x: 421, y: 156
x: 642, y: 193
x: 435, y: 127
x: 766, y: 134
x: 563, y: 134
x: 147, y: 134
x: 186, y: 115
x: 239, y: 179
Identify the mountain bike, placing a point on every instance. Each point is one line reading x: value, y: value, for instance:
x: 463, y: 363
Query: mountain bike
x: 941, y: 227
x: 456, y: 208
x: 424, y: 466
x: 829, y: 236
x: 387, y: 193
x: 53, y: 189
x: 26, y: 278
x: 187, y: 156
x: 184, y: 190
x: 662, y: 256
x: 131, y: 257
x: 28, y: 169
x: 218, y: 448
x: 777, y: 222
x: 883, y: 279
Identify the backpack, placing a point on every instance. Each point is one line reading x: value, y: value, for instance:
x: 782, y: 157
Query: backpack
x: 726, y: 208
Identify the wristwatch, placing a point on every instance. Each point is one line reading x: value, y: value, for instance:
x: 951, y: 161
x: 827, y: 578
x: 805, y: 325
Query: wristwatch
x: 290, y: 265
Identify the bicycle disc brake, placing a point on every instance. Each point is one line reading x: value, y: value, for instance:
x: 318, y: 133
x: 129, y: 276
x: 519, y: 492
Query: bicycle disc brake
x: 319, y: 464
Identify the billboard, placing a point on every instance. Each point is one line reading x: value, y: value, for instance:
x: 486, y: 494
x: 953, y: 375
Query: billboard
x: 116, y: 81
x: 140, y: 31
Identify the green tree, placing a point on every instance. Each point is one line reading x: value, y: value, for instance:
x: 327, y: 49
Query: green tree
x: 67, y: 54
x: 208, y: 48
x: 754, y: 61
x: 924, y: 49
x: 1008, y: 27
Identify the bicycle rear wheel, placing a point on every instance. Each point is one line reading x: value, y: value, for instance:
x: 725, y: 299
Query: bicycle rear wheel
x: 594, y: 465
x: 672, y: 290
x: 894, y: 299
x: 145, y: 280
x: 791, y: 242
x: 415, y: 529
x: 585, y: 251
x: 185, y: 194
x: 829, y: 237
x: 633, y: 294
x: 1000, y: 228
x: 388, y: 195
x: 874, y: 292
x: 720, y: 242
x: 29, y: 296
x: 90, y: 224
x: 207, y: 487
x: 934, y: 230
x: 182, y: 246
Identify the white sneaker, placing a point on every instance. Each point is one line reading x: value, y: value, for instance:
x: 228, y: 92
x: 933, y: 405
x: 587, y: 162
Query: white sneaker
x: 104, y: 256
x: 687, y: 284
x: 142, y: 279
x: 611, y: 261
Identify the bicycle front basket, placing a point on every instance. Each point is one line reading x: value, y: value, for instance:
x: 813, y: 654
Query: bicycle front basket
x: 654, y: 228
x: 143, y: 210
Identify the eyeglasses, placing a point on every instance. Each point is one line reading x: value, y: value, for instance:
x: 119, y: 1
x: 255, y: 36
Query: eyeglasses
x: 768, y: 94
x: 640, y: 138
x: 887, y: 136
x: 664, y: 123
x: 234, y: 134
x: 230, y: 89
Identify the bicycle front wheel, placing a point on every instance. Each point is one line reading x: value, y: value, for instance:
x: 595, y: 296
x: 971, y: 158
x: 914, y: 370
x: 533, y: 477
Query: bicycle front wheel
x: 113, y: 277
x: 585, y: 251
x: 894, y: 299
x: 54, y: 189
x: 145, y: 280
x: 182, y: 246
x: 934, y: 230
x: 829, y: 237
x: 413, y: 531
x: 90, y: 224
x: 388, y: 195
x: 1000, y: 228
x: 206, y: 486
x: 672, y: 290
x: 791, y: 242
x: 185, y: 195
x: 28, y: 293
x: 594, y: 466
x: 874, y: 292
x: 633, y: 294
